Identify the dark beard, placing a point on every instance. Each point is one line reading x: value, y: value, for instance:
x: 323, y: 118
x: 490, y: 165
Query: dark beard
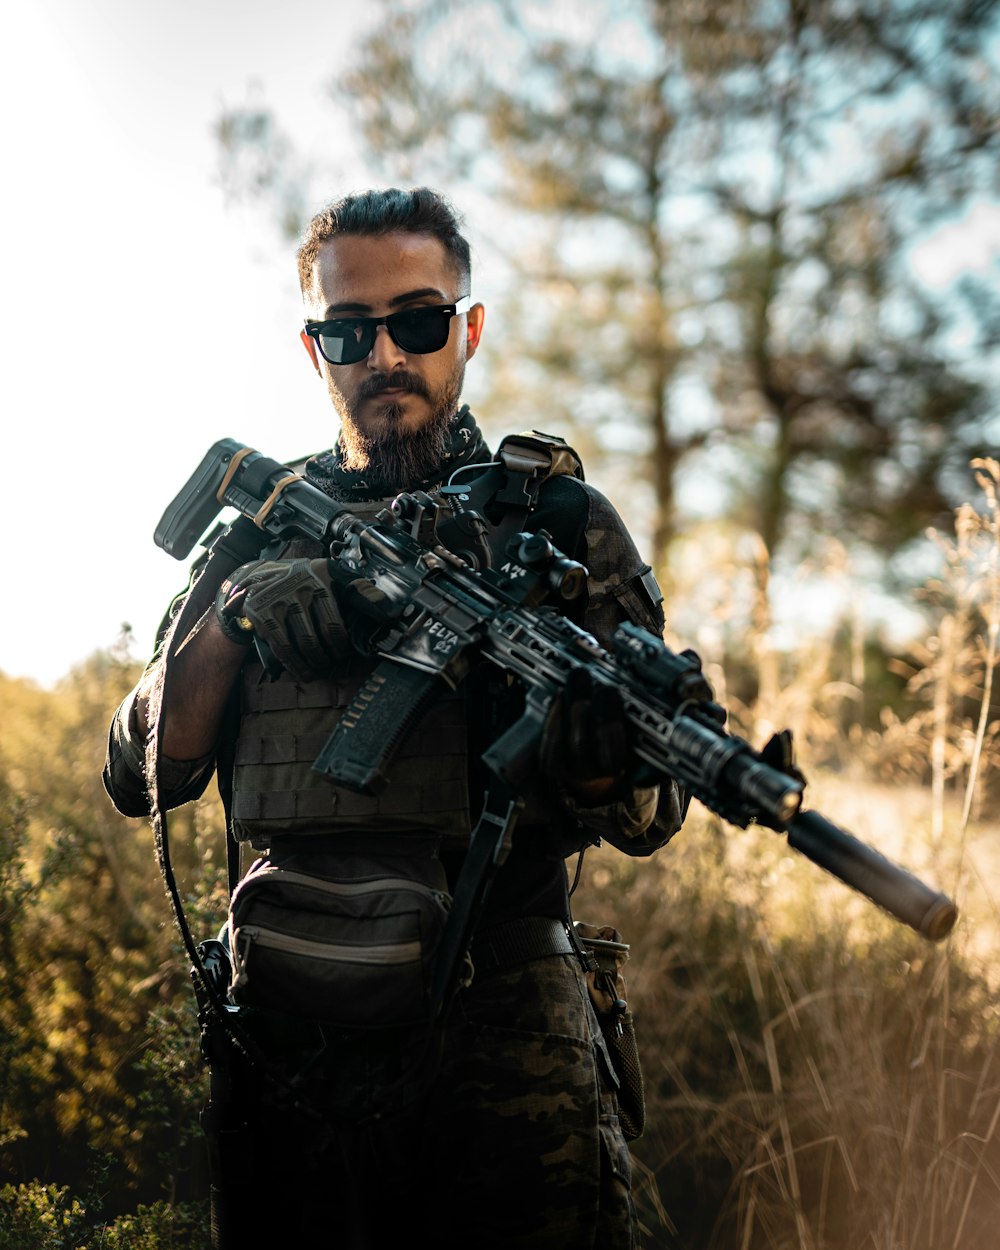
x: 395, y: 460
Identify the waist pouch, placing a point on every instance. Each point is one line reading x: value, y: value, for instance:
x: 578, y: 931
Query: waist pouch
x: 355, y: 951
x: 606, y: 986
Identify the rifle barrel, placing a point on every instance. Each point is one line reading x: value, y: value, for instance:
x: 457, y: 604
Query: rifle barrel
x: 863, y: 868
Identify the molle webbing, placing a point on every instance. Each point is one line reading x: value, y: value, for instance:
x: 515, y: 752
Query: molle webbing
x: 283, y: 728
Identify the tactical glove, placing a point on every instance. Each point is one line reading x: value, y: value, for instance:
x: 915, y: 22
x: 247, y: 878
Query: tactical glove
x: 290, y: 606
x: 587, y: 737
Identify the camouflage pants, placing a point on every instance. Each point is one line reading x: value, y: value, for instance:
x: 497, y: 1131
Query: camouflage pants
x: 515, y: 1143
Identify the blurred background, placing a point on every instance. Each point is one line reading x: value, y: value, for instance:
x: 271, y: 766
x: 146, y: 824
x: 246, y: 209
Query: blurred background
x: 744, y: 257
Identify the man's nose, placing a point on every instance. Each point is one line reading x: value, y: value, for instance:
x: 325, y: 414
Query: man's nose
x: 385, y: 354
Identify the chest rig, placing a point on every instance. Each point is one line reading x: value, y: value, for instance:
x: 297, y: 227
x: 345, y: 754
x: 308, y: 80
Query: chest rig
x: 284, y: 724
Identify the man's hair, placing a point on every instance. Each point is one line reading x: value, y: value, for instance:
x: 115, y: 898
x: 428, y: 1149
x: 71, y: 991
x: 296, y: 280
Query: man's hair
x: 417, y: 211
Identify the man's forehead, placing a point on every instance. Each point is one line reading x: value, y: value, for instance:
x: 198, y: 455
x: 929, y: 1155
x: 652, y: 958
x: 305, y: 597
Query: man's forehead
x: 369, y: 270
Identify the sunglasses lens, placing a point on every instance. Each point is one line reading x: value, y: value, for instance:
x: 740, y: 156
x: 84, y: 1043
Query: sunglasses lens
x: 344, y: 342
x: 421, y: 330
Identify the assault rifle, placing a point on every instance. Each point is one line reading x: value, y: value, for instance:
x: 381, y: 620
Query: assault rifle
x: 433, y: 614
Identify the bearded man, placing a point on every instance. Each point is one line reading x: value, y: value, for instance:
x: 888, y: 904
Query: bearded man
x: 360, y: 1126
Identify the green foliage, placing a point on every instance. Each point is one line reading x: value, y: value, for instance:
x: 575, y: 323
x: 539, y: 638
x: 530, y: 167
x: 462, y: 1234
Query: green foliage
x: 39, y: 1217
x: 45, y: 1217
x: 158, y: 1226
x: 21, y: 1065
x: 98, y: 1048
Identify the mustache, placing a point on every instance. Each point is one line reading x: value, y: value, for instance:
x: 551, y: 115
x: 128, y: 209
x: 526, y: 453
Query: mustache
x: 397, y: 381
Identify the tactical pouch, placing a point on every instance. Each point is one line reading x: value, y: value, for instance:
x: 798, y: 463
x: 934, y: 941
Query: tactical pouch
x: 606, y: 986
x: 352, y: 948
x: 541, y: 455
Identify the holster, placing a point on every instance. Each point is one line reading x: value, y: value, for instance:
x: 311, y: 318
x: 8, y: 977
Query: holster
x: 606, y: 985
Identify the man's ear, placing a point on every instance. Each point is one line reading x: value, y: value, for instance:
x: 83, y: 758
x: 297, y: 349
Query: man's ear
x: 310, y: 345
x: 474, y: 331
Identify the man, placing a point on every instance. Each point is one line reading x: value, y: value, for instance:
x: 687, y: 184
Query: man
x: 499, y: 1127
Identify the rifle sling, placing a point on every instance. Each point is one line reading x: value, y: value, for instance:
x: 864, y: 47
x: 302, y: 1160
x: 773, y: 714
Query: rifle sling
x: 489, y: 844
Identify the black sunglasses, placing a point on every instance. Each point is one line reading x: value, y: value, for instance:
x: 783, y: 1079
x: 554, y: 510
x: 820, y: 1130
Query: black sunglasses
x: 347, y: 340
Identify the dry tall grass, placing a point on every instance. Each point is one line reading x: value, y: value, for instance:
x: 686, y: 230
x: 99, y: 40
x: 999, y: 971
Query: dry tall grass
x: 818, y: 1077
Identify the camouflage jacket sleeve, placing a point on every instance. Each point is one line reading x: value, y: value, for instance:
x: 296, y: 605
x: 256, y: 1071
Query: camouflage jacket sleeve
x: 621, y: 587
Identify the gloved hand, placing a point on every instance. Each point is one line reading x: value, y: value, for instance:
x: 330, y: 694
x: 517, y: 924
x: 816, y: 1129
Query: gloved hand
x: 587, y: 739
x: 291, y: 606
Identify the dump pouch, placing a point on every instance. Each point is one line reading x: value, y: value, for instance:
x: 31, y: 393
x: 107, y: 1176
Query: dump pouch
x: 351, y: 945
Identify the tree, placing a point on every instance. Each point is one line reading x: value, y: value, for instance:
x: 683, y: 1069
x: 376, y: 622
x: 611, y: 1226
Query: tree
x: 707, y: 207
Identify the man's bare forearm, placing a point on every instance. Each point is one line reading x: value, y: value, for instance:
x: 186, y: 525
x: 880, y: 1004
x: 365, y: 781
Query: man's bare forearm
x: 202, y: 673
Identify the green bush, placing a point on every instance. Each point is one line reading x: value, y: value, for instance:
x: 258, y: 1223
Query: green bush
x: 40, y: 1217
x: 34, y: 1216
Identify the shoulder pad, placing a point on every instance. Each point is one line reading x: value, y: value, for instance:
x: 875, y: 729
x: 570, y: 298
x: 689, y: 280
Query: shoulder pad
x: 546, y: 455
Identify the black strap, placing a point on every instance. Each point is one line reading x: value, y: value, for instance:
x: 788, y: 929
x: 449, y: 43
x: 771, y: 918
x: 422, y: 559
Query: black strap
x: 488, y: 847
x: 526, y: 466
x: 235, y: 546
x: 523, y: 463
x: 510, y: 485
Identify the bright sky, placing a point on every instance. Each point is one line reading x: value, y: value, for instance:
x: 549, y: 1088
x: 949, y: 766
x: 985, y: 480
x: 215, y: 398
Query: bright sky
x: 141, y: 320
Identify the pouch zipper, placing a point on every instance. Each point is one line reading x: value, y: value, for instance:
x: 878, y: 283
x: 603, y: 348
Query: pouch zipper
x: 387, y: 953
x: 342, y: 889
